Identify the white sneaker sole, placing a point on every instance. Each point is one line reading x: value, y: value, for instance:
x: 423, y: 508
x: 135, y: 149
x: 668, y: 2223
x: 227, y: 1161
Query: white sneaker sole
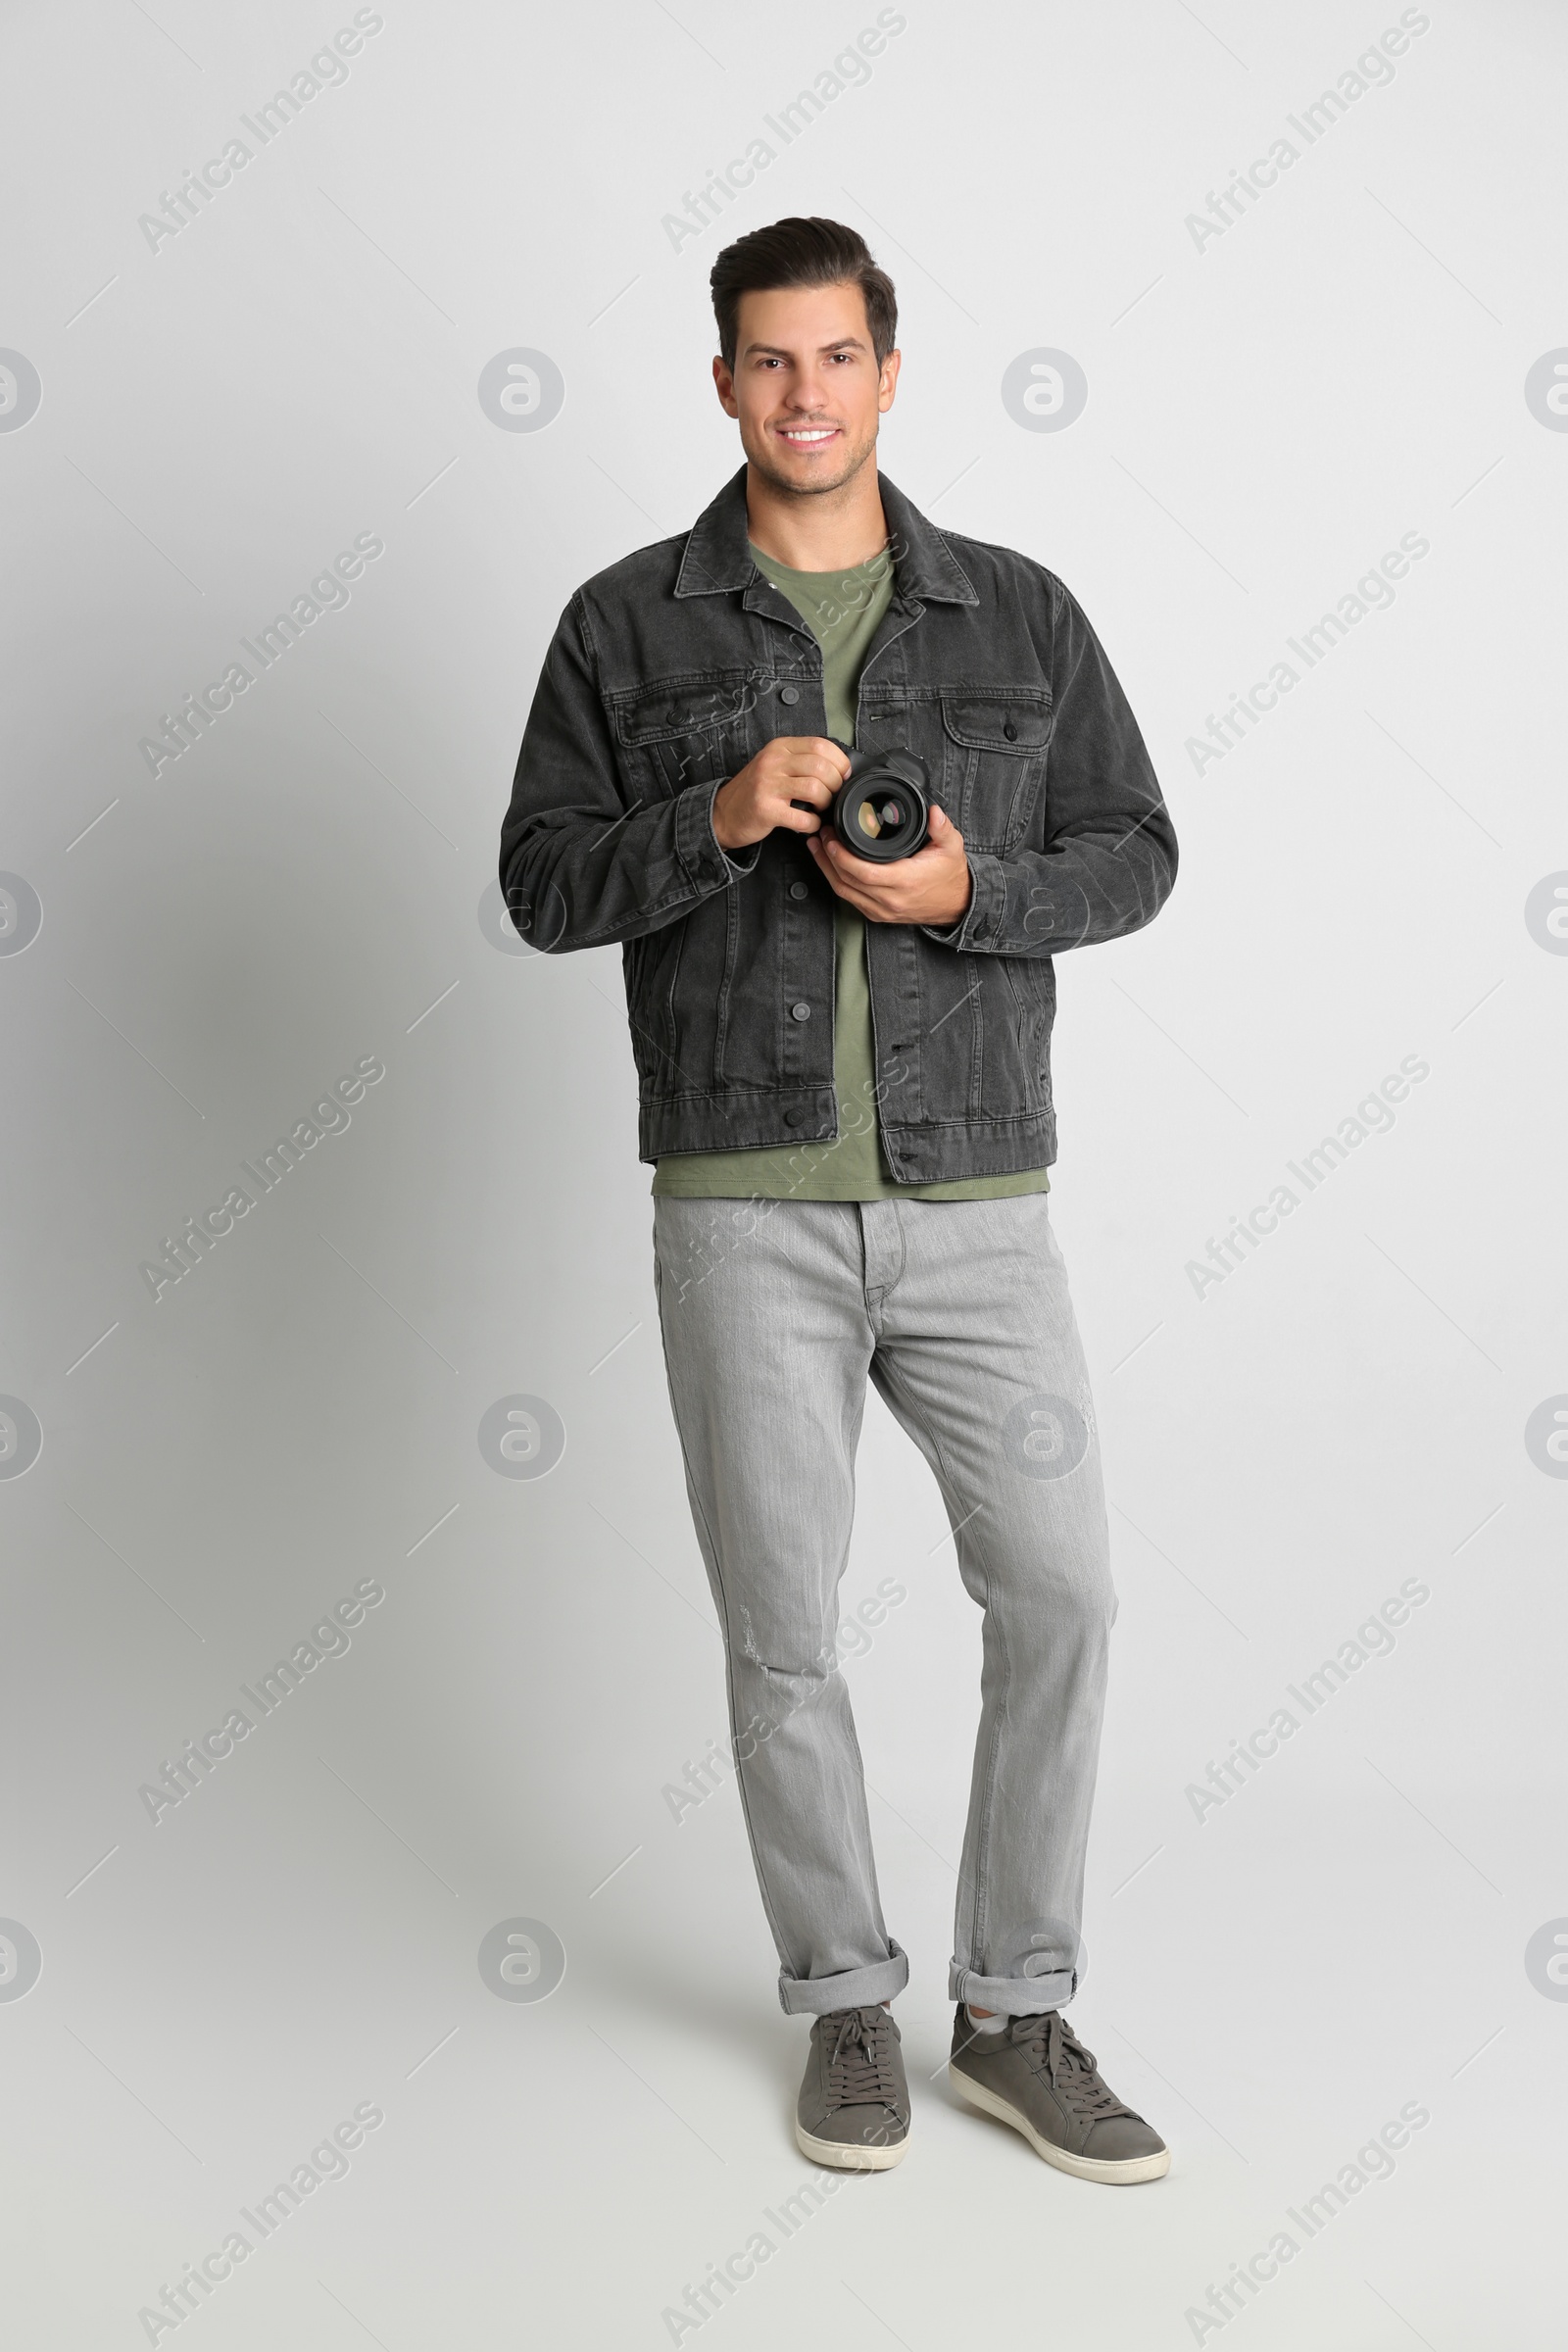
x: 848, y: 2159
x: 1124, y: 2174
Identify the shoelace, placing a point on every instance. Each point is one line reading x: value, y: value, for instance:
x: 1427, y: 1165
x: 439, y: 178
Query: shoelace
x: 1055, y: 2048
x: 860, y: 2062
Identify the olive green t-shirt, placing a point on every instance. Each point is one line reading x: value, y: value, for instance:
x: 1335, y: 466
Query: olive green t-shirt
x: 842, y: 609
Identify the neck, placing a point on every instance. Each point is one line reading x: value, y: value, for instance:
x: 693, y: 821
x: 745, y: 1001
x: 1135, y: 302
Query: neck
x: 823, y: 530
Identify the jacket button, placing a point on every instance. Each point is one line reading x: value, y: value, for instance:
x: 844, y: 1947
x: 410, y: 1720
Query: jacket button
x: 799, y: 1013
x: 1010, y: 732
x: 797, y: 889
x: 793, y: 1118
x: 789, y: 694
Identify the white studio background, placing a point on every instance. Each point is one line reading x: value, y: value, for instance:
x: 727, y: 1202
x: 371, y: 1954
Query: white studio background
x: 1369, y: 355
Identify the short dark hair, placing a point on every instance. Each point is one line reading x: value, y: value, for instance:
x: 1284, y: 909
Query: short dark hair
x: 802, y: 253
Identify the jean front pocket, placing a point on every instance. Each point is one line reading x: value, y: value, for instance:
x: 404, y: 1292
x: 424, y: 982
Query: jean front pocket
x: 996, y: 739
x: 697, y: 729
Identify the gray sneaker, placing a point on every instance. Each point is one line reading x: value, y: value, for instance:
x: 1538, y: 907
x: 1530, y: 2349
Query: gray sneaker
x: 854, y: 2108
x: 1036, y: 2075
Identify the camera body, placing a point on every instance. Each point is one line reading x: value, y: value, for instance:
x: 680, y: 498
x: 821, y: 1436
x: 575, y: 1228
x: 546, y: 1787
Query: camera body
x: 882, y: 810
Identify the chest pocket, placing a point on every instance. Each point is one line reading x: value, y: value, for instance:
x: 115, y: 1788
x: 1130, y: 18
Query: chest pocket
x: 994, y: 761
x: 687, y: 731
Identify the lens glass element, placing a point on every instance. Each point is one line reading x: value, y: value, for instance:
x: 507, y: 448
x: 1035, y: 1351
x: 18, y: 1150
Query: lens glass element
x: 880, y: 816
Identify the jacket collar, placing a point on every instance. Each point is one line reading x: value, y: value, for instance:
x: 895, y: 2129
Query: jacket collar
x: 717, y: 560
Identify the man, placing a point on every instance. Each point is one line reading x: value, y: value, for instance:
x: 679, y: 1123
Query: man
x: 845, y: 1088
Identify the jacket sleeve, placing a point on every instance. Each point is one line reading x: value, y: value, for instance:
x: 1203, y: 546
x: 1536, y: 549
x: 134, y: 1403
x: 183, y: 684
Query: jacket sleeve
x: 582, y: 866
x: 1110, y: 854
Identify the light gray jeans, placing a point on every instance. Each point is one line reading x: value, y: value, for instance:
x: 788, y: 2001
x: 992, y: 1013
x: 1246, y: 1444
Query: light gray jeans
x: 774, y: 1313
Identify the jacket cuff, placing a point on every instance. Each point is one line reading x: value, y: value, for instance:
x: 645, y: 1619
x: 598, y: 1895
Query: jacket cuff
x: 709, y: 865
x: 981, y: 920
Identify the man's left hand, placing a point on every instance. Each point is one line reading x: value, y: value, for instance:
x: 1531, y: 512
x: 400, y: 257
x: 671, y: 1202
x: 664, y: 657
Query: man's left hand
x: 933, y: 887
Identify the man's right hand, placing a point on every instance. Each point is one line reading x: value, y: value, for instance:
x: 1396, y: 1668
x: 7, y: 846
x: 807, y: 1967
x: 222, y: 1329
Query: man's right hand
x: 790, y: 768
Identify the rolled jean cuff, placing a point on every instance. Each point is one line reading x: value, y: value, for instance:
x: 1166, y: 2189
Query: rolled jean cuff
x: 853, y: 1989
x: 1012, y: 1996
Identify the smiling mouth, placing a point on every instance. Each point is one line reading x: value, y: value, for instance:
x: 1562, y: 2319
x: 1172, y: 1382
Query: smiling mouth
x: 806, y: 436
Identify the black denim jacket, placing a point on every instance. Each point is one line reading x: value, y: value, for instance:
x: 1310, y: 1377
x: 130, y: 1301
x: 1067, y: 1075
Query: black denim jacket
x: 667, y: 672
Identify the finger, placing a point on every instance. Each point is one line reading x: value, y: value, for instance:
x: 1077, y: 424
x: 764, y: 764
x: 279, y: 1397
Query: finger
x: 794, y: 774
x: 934, y: 865
x: 875, y: 909
x: 792, y: 744
x: 806, y: 783
x: 880, y: 882
x: 812, y: 751
x: 872, y: 908
x: 863, y: 906
x: 801, y: 785
x: 944, y: 853
x: 792, y: 819
x: 832, y: 870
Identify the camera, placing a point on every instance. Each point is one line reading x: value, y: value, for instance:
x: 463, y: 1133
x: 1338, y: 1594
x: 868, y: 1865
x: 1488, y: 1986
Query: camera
x: 882, y: 810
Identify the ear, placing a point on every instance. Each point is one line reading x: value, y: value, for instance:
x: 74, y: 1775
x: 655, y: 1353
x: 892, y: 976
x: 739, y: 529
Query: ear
x: 724, y: 386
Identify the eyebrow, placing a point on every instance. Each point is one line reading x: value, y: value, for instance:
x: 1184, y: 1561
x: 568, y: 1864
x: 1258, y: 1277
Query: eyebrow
x: 777, y: 351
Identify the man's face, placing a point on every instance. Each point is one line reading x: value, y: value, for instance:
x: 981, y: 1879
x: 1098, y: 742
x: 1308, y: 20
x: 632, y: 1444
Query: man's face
x: 806, y: 388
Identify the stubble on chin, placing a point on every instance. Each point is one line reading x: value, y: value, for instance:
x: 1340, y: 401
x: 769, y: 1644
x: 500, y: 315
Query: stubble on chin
x: 788, y: 486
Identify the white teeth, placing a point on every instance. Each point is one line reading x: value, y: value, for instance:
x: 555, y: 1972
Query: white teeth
x: 825, y: 435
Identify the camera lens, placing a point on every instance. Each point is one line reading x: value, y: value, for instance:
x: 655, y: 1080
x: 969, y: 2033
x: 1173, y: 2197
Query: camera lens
x: 881, y: 812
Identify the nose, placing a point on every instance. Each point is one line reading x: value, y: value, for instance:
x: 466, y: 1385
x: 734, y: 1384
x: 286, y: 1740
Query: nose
x: 807, y: 394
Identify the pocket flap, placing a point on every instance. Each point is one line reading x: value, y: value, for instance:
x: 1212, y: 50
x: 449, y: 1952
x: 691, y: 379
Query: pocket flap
x: 1015, y: 720
x: 659, y: 714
